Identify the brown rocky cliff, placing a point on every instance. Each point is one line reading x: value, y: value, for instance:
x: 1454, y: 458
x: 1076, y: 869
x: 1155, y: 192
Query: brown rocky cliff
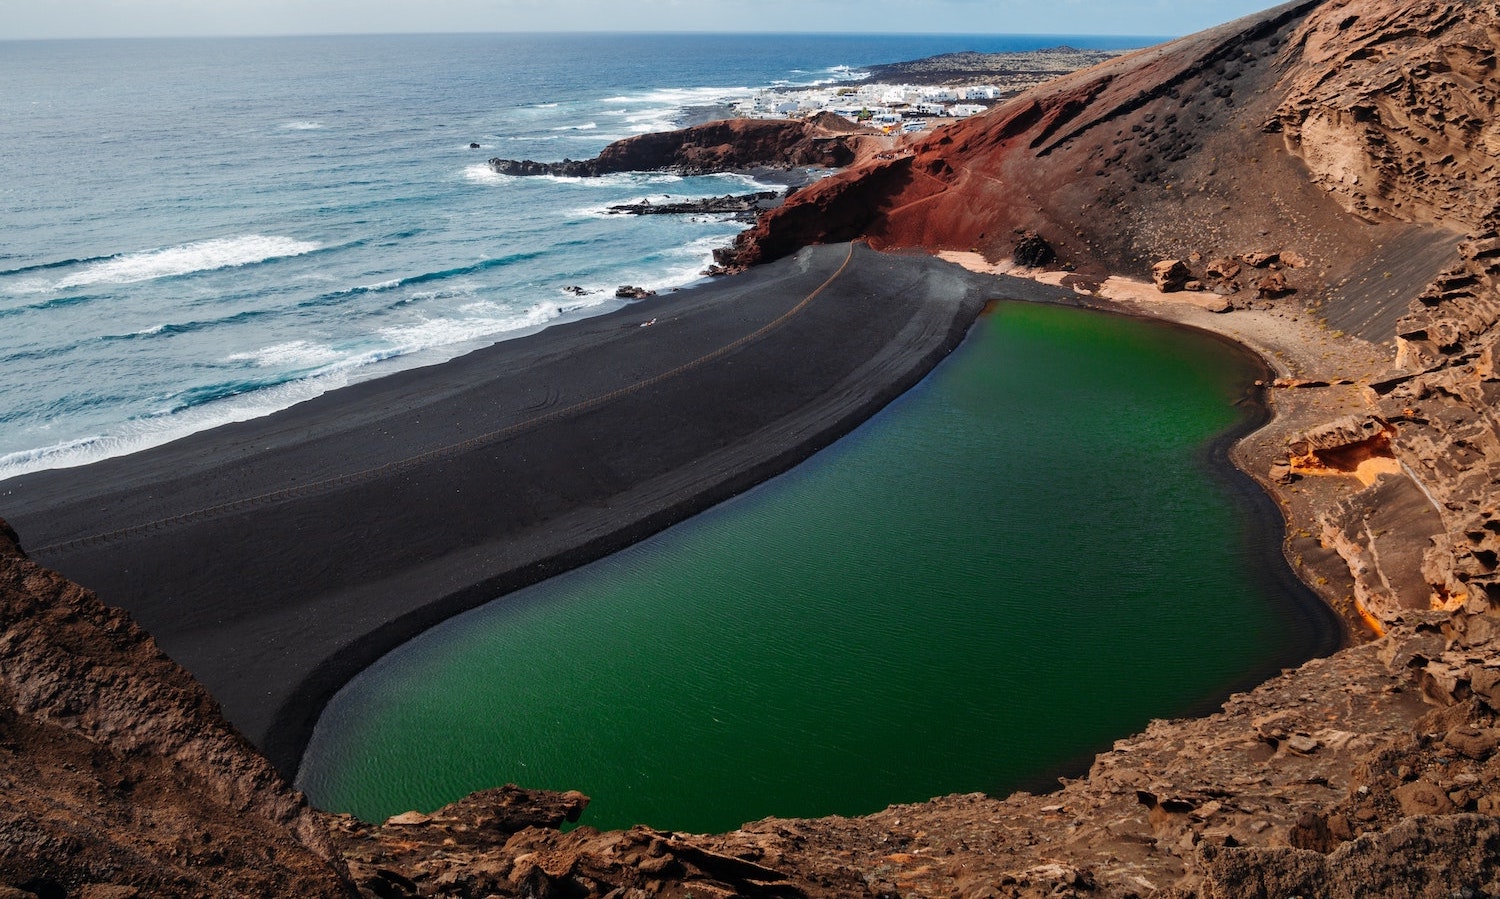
x: 117, y: 770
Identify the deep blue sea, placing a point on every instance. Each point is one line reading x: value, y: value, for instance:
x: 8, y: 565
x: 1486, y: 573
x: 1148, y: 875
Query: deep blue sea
x: 196, y: 231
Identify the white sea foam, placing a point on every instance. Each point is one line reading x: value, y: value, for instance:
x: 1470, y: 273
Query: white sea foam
x: 143, y: 433
x: 615, y: 180
x: 293, y: 354
x: 200, y: 256
x: 684, y: 96
x: 653, y: 120
x: 421, y: 342
x: 481, y: 173
x: 409, y: 346
x: 481, y: 321
x: 586, y: 126
x: 302, y: 126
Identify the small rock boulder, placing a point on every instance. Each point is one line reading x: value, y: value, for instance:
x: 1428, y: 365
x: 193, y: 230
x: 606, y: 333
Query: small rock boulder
x: 1477, y: 743
x: 631, y: 292
x: 1033, y: 251
x: 1271, y: 286
x: 1261, y: 260
x: 1222, y: 269
x: 1423, y: 798
x: 1170, y: 275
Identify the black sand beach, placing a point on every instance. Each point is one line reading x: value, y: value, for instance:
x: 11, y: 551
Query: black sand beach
x: 276, y: 558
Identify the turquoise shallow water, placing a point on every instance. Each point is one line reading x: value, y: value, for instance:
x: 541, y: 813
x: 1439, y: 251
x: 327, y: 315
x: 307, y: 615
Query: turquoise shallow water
x: 1022, y: 559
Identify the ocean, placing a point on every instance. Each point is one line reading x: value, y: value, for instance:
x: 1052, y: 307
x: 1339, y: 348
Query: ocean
x: 199, y: 231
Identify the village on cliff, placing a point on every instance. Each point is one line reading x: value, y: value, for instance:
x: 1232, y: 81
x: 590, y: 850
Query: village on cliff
x: 902, y: 108
x: 915, y: 96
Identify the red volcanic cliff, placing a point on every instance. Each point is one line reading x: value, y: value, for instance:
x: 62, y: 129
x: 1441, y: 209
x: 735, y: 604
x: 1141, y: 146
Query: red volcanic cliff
x: 1116, y: 165
x: 1358, y: 137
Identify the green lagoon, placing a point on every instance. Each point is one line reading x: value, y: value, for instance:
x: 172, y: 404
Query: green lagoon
x: 1028, y: 556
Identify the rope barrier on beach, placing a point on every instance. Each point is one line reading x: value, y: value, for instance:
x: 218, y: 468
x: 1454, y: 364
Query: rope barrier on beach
x: 450, y: 450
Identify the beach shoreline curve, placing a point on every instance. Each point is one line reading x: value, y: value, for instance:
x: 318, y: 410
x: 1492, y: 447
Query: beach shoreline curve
x: 278, y: 557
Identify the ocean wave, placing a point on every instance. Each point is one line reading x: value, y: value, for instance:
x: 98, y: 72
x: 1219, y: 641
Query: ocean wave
x: 302, y: 126
x: 199, y: 410
x: 53, y: 303
x: 296, y: 355
x: 337, y: 296
x: 615, y: 180
x: 377, y: 288
x: 483, y: 320
x: 55, y: 456
x: 481, y: 173
x: 683, y: 96
x: 476, y: 268
x: 168, y: 329
x: 185, y: 259
x: 44, y: 266
x: 294, y: 371
x: 586, y: 126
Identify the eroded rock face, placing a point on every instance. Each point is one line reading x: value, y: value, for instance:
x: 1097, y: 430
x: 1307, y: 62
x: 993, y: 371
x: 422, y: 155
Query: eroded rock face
x: 117, y: 771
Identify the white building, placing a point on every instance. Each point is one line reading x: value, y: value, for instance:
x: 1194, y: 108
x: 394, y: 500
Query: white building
x: 939, y: 94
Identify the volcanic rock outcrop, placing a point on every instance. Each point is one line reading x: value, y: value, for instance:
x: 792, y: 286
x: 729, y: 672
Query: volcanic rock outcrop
x: 725, y: 146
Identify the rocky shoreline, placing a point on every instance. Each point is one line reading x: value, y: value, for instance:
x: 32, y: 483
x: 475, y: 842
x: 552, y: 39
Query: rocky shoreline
x: 741, y: 207
x: 723, y: 146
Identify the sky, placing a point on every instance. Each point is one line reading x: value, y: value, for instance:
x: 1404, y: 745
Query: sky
x: 25, y: 19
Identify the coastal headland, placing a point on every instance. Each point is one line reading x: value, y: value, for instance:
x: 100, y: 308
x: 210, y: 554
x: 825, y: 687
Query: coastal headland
x: 1348, y: 143
x: 394, y: 504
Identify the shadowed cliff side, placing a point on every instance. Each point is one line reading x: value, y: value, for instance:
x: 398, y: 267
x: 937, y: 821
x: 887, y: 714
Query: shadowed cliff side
x: 117, y: 771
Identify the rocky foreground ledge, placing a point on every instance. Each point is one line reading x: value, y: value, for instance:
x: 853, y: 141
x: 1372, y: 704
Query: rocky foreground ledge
x: 1369, y: 773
